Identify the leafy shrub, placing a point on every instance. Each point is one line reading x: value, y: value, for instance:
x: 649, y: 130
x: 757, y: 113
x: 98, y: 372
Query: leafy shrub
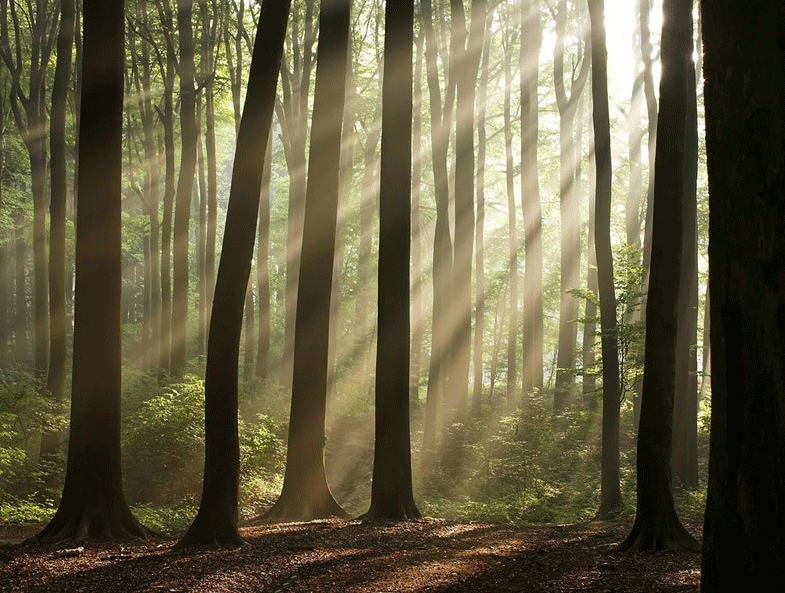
x: 163, y: 447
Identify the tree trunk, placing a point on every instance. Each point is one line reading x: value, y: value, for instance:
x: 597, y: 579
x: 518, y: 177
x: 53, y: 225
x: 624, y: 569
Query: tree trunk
x: 418, y: 318
x: 391, y: 490
x: 744, y: 65
x: 531, y: 42
x: 58, y: 353
x: 442, y: 244
x: 570, y: 214
x: 185, y: 182
x: 305, y: 494
x: 610, y: 493
x: 262, y: 267
x: 216, y: 521
x: 512, y: 238
x: 479, y: 229
x: 684, y: 457
x: 656, y: 525
x: 294, y: 118
x: 93, y: 505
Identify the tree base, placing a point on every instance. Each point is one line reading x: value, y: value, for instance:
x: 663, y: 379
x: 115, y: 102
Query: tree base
x: 655, y: 535
x: 212, y: 531
x: 292, y: 509
x: 402, y: 512
x: 78, y: 525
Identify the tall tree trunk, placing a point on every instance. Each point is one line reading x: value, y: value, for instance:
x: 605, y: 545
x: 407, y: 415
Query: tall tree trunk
x: 590, y: 312
x: 185, y: 182
x: 294, y: 117
x: 744, y: 65
x: 417, y: 319
x: 305, y: 494
x: 216, y: 521
x: 531, y: 42
x: 656, y: 525
x: 467, y: 65
x: 442, y: 244
x: 570, y: 212
x: 262, y: 368
x: 512, y: 243
x: 391, y: 490
x: 20, y: 310
x: 250, y: 332
x: 650, y: 95
x: 93, y: 505
x: 55, y: 382
x: 166, y: 219
x: 684, y: 457
x: 610, y: 493
x: 479, y: 229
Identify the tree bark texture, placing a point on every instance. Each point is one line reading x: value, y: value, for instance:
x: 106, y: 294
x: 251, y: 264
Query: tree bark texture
x: 744, y: 65
x: 216, y: 521
x: 93, y: 505
x: 305, y: 494
x: 656, y: 524
x: 610, y: 493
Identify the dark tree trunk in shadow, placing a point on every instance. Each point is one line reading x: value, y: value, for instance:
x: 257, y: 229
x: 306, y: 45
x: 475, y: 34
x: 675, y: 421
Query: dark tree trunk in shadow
x: 93, y: 505
x: 744, y: 65
x: 391, y: 491
x: 305, y: 494
x: 216, y: 521
x: 610, y: 493
x: 684, y: 457
x: 656, y: 524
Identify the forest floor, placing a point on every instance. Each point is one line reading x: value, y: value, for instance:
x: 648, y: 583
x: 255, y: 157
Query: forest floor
x: 354, y: 557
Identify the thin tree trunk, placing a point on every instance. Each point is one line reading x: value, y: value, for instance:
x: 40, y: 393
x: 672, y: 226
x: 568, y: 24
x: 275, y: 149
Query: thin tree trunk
x: 656, y: 524
x: 185, y: 182
x: 55, y: 382
x: 610, y: 492
x: 262, y: 267
x: 479, y: 229
x: 531, y: 42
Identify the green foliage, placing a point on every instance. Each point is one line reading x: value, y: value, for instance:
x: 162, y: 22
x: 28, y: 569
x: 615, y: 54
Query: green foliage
x: 629, y: 278
x: 24, y: 414
x: 163, y: 448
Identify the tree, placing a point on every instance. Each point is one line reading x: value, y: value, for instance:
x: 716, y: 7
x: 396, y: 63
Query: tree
x: 93, y: 505
x: 684, y: 457
x: 216, y: 521
x: 569, y: 163
x: 610, y: 493
x: 531, y: 42
x: 305, y: 493
x: 744, y: 65
x: 656, y: 524
x: 55, y: 382
x: 29, y: 112
x: 391, y: 491
x: 442, y: 244
x: 185, y: 182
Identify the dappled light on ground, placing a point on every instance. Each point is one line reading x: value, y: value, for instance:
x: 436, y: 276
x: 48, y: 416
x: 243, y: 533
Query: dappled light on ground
x: 353, y: 557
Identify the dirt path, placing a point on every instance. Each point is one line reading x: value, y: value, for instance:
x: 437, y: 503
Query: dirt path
x: 351, y: 557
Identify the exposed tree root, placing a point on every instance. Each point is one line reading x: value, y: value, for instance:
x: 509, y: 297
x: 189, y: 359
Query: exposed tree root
x: 399, y: 512
x: 211, y: 530
x: 655, y: 536
x: 304, y: 508
x: 80, y: 525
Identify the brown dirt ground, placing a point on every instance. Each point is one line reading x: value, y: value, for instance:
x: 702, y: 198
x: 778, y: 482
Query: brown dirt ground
x: 355, y: 557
